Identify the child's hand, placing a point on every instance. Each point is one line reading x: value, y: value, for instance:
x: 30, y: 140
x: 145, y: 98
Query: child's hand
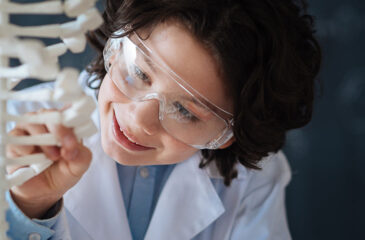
x: 71, y: 160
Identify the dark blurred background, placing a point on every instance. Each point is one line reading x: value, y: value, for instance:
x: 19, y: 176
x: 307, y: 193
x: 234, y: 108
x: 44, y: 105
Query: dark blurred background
x: 325, y: 198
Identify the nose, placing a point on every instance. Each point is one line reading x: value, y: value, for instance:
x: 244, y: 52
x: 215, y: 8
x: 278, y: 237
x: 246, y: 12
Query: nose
x: 145, y: 115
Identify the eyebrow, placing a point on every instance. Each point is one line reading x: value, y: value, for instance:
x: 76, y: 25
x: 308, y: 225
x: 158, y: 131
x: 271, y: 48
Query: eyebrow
x: 149, y: 63
x: 203, y: 115
x: 190, y: 99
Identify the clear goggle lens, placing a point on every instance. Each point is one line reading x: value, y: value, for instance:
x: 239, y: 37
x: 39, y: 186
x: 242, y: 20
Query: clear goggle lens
x: 140, y: 77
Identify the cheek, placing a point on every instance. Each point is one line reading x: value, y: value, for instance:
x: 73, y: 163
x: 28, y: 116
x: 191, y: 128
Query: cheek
x: 108, y: 93
x: 103, y: 96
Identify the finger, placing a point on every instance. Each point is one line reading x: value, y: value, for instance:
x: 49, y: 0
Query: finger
x: 79, y: 161
x: 11, y: 169
x: 52, y: 152
x: 15, y: 150
x: 67, y: 138
x: 70, y: 148
x: 77, y: 156
x: 72, y: 169
x: 63, y: 134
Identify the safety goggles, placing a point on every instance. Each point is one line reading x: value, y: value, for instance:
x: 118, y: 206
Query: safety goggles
x: 184, y: 113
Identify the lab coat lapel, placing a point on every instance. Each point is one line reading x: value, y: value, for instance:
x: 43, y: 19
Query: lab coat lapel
x: 187, y: 204
x: 96, y: 201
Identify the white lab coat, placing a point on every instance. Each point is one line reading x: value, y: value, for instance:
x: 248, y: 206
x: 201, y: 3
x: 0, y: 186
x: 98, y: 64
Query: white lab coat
x: 194, y: 203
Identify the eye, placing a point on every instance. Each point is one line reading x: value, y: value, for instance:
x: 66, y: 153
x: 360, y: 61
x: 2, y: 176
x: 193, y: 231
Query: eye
x: 141, y: 75
x: 185, y: 114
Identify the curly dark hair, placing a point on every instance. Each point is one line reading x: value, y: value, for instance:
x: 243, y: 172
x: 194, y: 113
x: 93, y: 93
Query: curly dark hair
x: 268, y: 55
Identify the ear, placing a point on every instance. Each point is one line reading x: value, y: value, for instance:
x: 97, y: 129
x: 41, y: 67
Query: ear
x: 228, y: 143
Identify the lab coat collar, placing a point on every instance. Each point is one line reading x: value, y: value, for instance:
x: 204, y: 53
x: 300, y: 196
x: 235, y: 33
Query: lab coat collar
x: 187, y: 204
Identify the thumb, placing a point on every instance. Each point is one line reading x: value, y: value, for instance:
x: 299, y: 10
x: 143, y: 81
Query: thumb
x: 65, y: 173
x: 76, y: 155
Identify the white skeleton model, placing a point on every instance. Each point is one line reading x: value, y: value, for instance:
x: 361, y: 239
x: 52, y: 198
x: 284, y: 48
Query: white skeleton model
x: 41, y: 62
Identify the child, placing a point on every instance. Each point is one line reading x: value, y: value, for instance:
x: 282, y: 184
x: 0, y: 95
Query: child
x: 193, y: 107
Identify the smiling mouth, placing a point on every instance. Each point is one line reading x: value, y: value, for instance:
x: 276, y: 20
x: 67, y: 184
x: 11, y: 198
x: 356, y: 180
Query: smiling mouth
x: 124, y: 140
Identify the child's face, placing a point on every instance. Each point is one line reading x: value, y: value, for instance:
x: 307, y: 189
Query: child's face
x: 139, y: 120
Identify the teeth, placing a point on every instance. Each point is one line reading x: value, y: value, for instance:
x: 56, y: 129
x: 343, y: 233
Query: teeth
x: 127, y: 137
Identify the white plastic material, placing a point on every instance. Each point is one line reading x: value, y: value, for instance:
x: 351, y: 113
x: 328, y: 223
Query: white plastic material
x: 37, y: 163
x: 65, y: 84
x: 48, y: 117
x: 87, y: 130
x: 90, y: 19
x: 46, y: 139
x: 76, y: 7
x: 26, y: 50
x: 50, y: 7
x: 38, y: 62
x: 25, y: 160
x: 39, y: 95
x: 41, y: 62
x: 56, y: 50
x: 76, y: 44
